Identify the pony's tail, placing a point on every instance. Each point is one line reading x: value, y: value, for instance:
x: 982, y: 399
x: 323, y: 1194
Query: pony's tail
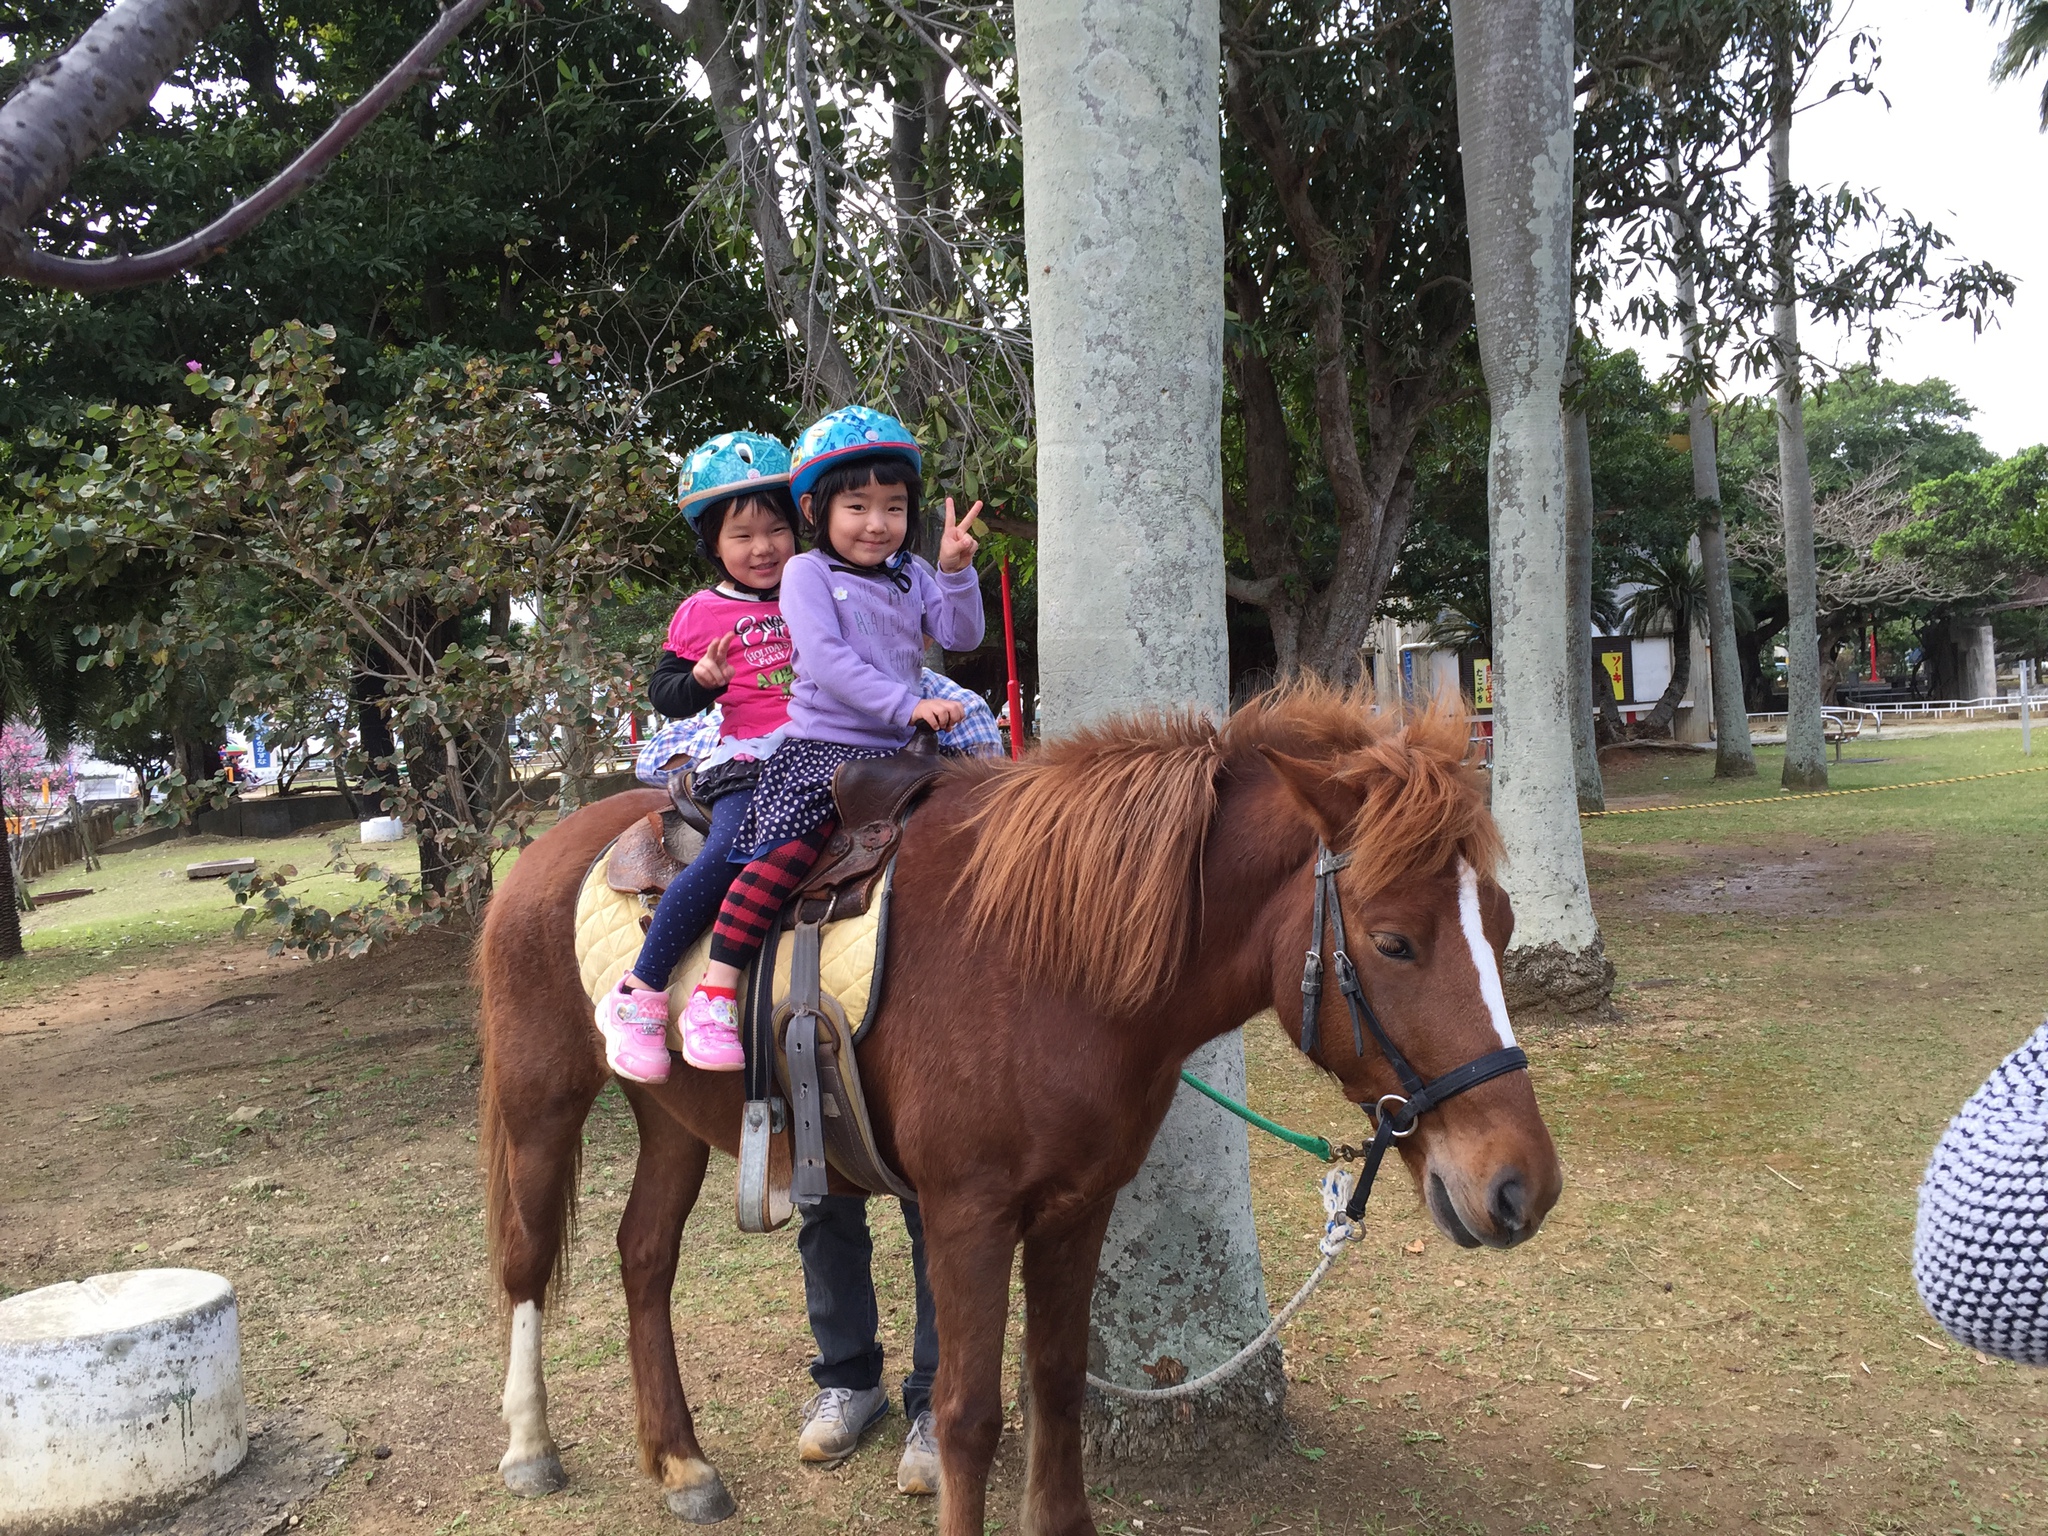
x: 550, y: 1207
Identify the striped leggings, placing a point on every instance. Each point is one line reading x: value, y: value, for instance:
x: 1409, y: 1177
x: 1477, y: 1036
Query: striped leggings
x: 760, y: 892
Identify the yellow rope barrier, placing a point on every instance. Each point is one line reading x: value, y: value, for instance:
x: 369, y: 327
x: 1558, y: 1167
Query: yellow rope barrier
x: 1818, y: 794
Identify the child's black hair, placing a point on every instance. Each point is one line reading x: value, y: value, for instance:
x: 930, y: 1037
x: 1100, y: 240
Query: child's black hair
x: 775, y: 499
x: 883, y: 469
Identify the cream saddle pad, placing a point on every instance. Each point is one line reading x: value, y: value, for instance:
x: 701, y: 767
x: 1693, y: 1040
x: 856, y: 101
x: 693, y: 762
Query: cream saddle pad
x: 609, y: 933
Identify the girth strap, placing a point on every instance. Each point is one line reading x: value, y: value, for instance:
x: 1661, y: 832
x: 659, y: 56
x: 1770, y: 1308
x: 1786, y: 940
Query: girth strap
x: 807, y: 1113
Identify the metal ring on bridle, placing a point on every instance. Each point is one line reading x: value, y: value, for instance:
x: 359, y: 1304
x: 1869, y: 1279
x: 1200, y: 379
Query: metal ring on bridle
x: 1379, y: 1113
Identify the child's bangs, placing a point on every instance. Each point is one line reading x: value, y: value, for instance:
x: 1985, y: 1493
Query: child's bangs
x: 775, y: 501
x: 858, y: 476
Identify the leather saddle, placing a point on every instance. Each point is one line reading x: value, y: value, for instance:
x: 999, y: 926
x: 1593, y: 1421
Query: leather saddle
x: 652, y: 852
x: 875, y: 796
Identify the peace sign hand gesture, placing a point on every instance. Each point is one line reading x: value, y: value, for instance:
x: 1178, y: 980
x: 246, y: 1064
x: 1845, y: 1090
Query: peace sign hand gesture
x: 714, y: 670
x: 956, y: 544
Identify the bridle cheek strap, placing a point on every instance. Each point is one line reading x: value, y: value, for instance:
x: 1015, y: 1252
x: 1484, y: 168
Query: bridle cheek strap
x: 1417, y: 1097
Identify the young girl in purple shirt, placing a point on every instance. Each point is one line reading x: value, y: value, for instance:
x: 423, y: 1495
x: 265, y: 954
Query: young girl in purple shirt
x: 859, y: 607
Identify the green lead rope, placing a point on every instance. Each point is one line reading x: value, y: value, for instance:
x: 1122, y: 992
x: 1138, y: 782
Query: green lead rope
x: 1314, y: 1146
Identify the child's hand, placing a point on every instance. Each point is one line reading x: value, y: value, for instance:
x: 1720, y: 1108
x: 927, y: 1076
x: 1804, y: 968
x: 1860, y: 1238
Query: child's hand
x: 956, y: 545
x: 714, y: 671
x: 939, y: 714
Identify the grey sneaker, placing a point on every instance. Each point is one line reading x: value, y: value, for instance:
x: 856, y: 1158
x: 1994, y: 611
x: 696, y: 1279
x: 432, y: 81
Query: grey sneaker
x: 918, y: 1471
x: 835, y: 1420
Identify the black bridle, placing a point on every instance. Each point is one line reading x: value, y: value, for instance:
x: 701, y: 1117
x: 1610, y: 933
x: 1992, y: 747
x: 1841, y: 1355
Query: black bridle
x: 1417, y: 1097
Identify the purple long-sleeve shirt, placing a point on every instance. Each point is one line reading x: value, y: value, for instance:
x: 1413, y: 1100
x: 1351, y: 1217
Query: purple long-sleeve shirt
x: 860, y: 642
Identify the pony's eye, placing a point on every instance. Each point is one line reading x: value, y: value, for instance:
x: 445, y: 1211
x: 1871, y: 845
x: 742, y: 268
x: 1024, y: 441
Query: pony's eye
x: 1393, y: 946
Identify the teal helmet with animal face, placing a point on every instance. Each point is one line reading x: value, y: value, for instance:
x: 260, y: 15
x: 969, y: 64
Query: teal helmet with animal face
x: 849, y: 433
x: 730, y: 464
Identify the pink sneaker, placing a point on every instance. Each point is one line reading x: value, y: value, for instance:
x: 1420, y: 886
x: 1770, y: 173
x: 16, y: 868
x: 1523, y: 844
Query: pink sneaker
x: 635, y: 1030
x: 711, y: 1033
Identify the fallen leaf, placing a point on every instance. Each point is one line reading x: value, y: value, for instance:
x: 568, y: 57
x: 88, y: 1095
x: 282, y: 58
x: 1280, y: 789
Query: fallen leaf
x: 1414, y: 1247
x: 245, y: 1114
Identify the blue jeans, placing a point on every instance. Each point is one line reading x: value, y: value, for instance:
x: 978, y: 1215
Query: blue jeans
x: 693, y: 897
x: 839, y: 1292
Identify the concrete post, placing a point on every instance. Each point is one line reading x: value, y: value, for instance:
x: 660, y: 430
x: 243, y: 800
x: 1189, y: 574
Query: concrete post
x: 1123, y: 233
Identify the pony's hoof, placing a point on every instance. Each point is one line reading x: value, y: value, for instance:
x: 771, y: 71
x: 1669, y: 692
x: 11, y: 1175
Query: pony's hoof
x: 704, y: 1503
x: 534, y: 1478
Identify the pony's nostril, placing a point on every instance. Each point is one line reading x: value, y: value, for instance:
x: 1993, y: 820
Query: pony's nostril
x: 1508, y: 1203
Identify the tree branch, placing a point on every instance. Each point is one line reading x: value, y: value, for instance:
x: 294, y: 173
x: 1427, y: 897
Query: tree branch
x: 68, y: 107
x: 988, y: 97
x: 123, y: 271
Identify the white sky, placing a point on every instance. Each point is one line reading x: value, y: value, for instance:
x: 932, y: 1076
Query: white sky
x: 1970, y: 158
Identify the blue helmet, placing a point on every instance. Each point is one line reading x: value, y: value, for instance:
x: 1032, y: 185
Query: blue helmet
x: 851, y: 432
x: 731, y: 464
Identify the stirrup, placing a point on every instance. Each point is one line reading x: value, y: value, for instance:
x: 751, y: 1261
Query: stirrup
x: 762, y: 1206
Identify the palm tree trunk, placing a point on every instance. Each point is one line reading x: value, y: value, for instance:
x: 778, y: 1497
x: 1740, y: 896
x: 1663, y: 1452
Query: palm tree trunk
x: 1659, y: 719
x: 1578, y: 660
x: 1123, y: 227
x: 1514, y: 66
x: 1806, y: 763
x: 1734, y: 756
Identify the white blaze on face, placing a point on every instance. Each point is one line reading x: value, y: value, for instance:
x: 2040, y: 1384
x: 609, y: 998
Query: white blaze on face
x: 1482, y: 952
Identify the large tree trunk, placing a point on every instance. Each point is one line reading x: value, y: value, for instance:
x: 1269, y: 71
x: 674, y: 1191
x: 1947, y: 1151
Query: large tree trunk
x: 1806, y: 761
x: 1124, y: 233
x: 1373, y: 489
x: 1578, y: 653
x: 1514, y: 68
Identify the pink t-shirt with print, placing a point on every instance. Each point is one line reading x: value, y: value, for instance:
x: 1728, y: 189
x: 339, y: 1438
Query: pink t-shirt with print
x: 756, y: 701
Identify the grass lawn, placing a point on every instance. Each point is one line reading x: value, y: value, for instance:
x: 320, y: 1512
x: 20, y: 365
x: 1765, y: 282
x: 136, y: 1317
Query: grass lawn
x: 1716, y: 1330
x: 1718, y: 1327
x: 142, y: 902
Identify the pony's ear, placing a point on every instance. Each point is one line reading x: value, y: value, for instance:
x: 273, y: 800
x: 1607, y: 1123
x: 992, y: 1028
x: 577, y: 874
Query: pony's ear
x: 1326, y: 799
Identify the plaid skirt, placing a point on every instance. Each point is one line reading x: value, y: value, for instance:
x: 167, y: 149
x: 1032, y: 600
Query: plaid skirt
x: 793, y: 796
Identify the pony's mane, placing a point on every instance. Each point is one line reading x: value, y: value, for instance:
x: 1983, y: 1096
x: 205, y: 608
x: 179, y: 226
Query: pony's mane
x: 1424, y: 803
x: 1087, y: 858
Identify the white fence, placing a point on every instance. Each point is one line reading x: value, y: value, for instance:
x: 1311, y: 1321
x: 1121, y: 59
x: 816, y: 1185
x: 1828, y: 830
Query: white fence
x: 2004, y: 708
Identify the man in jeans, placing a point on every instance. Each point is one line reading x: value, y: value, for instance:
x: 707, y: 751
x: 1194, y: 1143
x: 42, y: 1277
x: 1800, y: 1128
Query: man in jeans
x: 839, y: 1294
x: 837, y: 1250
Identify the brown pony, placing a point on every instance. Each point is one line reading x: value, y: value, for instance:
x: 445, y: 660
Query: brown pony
x: 1064, y: 932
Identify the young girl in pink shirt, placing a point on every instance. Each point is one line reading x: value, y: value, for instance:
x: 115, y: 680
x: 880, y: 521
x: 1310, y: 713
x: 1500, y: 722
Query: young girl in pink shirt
x: 861, y: 606
x: 727, y: 644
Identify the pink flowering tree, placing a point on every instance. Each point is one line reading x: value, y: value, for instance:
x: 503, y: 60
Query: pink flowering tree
x: 26, y: 766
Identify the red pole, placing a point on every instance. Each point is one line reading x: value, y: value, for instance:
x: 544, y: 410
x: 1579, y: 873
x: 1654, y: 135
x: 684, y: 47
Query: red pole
x: 1017, y: 726
x: 1873, y: 651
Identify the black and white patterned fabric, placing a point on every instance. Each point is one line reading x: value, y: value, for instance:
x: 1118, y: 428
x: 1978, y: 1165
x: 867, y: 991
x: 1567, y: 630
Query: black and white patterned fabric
x: 1980, y: 1248
x: 793, y: 796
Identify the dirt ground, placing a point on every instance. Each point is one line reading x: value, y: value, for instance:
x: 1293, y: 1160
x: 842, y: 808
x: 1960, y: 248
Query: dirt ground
x: 1716, y: 1329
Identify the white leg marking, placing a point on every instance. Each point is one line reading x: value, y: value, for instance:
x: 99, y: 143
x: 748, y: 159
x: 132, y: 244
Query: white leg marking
x: 1482, y: 952
x: 526, y: 1392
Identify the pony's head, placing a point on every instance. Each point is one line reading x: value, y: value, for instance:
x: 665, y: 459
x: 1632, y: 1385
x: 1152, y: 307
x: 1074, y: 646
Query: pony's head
x: 1425, y: 925
x: 1161, y: 871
